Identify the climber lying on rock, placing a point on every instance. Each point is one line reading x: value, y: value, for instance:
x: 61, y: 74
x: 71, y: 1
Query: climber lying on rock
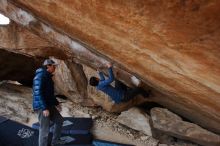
x: 119, y: 93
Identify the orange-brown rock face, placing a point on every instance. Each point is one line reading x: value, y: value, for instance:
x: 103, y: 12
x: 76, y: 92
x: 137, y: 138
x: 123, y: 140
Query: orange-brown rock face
x: 18, y: 39
x: 172, y: 46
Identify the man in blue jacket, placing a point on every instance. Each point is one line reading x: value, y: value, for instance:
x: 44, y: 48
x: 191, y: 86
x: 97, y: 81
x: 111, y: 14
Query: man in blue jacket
x: 45, y: 103
x: 119, y: 93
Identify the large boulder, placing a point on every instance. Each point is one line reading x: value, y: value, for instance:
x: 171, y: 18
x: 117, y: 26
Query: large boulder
x: 136, y: 119
x: 171, y: 124
x: 172, y: 46
x: 22, y: 96
x: 70, y: 80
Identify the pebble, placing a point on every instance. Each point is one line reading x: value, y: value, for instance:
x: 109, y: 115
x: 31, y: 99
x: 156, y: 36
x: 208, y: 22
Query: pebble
x: 144, y: 138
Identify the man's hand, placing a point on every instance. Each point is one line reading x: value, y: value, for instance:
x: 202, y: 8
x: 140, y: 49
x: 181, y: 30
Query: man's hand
x: 46, y: 113
x: 59, y: 108
x: 98, y: 70
x: 108, y: 65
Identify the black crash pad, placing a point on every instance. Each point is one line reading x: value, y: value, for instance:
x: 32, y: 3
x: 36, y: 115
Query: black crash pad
x: 79, y: 139
x: 15, y: 134
x: 2, y: 119
x: 78, y: 126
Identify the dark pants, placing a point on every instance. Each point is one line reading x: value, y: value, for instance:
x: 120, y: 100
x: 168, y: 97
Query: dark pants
x: 44, y: 129
x: 130, y: 93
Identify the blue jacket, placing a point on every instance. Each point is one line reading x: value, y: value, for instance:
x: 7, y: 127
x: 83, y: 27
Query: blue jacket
x: 43, y: 90
x: 106, y: 87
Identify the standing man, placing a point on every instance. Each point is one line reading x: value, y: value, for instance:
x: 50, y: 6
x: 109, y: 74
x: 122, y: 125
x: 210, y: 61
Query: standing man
x: 46, y: 104
x: 120, y: 92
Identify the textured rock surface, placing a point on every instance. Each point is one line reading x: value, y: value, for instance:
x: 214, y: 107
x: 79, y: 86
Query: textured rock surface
x: 19, y: 40
x: 136, y: 119
x: 70, y: 80
x: 173, y: 46
x: 170, y: 140
x: 171, y: 124
x: 11, y: 94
